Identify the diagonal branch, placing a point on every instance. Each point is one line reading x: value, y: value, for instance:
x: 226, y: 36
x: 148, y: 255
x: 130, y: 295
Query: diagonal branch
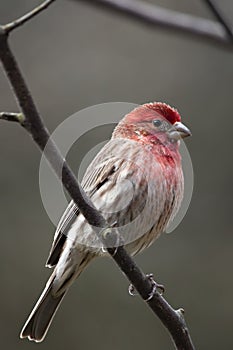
x: 34, y: 125
x: 173, y: 21
x: 25, y: 18
x: 12, y: 117
x: 220, y: 17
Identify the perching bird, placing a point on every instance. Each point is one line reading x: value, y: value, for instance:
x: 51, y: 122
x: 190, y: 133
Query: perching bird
x: 136, y: 181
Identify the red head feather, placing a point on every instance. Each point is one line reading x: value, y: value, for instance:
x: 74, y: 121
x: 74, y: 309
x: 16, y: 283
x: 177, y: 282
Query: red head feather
x: 148, y: 112
x: 171, y: 114
x: 145, y: 113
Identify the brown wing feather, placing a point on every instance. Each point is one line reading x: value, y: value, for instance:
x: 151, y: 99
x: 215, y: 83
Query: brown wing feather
x: 98, y: 172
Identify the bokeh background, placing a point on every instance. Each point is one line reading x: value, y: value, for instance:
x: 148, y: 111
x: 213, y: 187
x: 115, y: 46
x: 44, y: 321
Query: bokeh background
x: 74, y: 56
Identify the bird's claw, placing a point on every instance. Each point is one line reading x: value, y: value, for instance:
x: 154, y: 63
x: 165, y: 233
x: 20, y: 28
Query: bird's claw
x: 155, y: 287
x: 132, y: 291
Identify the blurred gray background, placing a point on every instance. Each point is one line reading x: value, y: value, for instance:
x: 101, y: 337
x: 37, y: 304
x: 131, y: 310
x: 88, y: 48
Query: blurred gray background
x: 74, y: 56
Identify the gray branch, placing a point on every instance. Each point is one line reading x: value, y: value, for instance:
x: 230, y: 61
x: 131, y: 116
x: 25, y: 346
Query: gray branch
x: 221, y: 18
x: 170, y: 20
x: 12, y: 117
x: 20, y: 21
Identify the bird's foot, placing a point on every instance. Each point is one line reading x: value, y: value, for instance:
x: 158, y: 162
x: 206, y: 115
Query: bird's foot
x: 132, y: 290
x: 155, y: 287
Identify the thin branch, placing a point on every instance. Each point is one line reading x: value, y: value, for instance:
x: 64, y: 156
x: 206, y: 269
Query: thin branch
x: 172, y: 319
x: 35, y: 126
x: 220, y: 17
x: 150, y: 14
x: 12, y: 117
x: 25, y: 18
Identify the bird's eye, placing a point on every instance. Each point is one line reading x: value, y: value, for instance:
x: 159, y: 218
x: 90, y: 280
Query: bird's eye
x: 157, y: 123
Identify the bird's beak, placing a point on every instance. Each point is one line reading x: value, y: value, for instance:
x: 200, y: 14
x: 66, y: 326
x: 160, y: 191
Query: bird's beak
x: 178, y: 131
x: 182, y: 129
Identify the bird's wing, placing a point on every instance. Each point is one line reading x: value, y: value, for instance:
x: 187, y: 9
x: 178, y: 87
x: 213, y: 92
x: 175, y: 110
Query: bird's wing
x: 60, y: 236
x: 104, y: 166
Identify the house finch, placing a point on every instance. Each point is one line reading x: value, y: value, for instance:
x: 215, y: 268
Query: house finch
x: 136, y: 182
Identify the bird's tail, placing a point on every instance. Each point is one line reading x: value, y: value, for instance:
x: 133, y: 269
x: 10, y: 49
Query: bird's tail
x: 42, y: 314
x: 57, y: 286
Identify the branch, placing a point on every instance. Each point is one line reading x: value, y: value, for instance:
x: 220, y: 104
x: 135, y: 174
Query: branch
x: 33, y: 123
x: 25, y: 18
x: 12, y: 117
x: 168, y: 19
x: 221, y: 18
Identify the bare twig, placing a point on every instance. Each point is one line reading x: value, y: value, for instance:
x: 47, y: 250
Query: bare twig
x: 25, y: 18
x: 220, y: 17
x: 31, y: 120
x: 150, y: 14
x: 35, y: 126
x: 12, y: 117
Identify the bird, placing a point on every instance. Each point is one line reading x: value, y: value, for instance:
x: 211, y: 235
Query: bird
x: 136, y: 182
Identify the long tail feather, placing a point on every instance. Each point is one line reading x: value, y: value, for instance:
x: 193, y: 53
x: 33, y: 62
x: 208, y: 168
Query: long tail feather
x: 42, y: 315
